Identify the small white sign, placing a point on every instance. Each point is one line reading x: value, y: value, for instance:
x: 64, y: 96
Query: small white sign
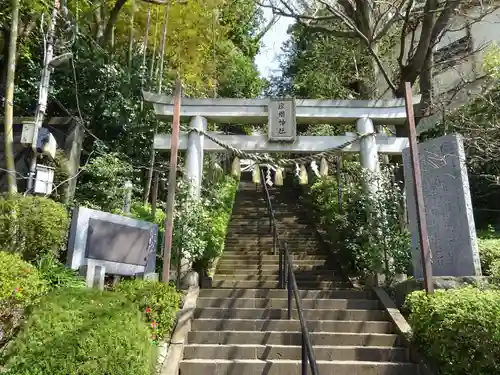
x: 27, y: 133
x: 44, y: 179
x: 282, y: 119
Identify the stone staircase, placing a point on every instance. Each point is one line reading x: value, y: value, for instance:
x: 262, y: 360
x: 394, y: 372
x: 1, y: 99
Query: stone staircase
x: 241, y: 326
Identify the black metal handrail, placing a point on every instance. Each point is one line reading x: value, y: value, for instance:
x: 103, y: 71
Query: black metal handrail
x: 287, y: 276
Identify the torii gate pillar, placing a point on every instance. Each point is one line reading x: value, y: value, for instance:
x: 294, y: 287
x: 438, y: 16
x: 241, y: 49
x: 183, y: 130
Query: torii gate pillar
x: 194, y: 159
x: 369, y: 154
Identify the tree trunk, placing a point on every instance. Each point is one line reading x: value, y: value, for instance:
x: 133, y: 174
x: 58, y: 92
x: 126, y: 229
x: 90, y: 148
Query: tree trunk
x: 131, y: 40
x: 9, y: 100
x: 149, y: 177
x: 4, y: 66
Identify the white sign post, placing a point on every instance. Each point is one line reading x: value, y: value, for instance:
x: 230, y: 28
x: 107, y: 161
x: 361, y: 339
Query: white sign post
x: 282, y: 121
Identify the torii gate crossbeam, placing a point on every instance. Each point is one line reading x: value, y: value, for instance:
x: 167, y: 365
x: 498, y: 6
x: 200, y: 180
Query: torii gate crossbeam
x: 364, y: 113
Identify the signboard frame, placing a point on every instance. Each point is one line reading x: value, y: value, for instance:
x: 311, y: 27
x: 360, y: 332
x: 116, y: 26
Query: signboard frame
x: 274, y: 125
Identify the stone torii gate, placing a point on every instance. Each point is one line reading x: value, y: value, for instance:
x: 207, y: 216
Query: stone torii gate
x: 444, y: 175
x: 282, y: 115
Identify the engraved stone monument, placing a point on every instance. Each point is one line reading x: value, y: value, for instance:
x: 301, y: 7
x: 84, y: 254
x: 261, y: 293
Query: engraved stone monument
x: 448, y: 208
x: 102, y: 243
x: 282, y: 120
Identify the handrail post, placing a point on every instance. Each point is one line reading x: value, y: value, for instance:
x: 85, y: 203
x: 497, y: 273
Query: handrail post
x: 289, y: 287
x: 285, y: 268
x: 274, y: 239
x: 303, y: 356
x: 281, y: 269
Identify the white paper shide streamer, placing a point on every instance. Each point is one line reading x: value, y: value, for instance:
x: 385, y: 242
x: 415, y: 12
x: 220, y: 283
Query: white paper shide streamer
x: 314, y: 168
x: 269, y: 181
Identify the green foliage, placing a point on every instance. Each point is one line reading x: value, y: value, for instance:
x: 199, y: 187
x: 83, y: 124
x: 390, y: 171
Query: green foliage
x: 21, y: 285
x: 143, y: 212
x: 211, y: 44
x: 491, y: 61
x: 459, y: 329
x: 57, y: 275
x: 199, y: 227
x: 101, y: 185
x: 191, y: 222
x: 82, y: 332
x: 32, y: 226
x: 221, y: 205
x: 365, y: 232
x: 489, y: 252
x: 321, y: 66
x: 158, y: 301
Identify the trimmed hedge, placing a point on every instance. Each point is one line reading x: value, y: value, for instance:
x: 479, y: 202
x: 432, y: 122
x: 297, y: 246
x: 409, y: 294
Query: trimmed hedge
x: 459, y: 329
x: 489, y: 252
x: 33, y: 226
x: 158, y: 301
x: 82, y: 332
x: 20, y: 286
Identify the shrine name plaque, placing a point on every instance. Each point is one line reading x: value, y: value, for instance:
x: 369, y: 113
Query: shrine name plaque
x: 282, y: 120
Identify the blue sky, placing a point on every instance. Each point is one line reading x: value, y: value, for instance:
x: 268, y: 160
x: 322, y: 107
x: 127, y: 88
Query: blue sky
x: 267, y: 60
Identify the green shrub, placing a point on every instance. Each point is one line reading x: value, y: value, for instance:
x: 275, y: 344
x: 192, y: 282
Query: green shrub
x: 82, y: 332
x: 190, y: 223
x: 20, y: 283
x: 20, y: 286
x: 32, y: 226
x: 59, y: 276
x: 158, y: 301
x: 365, y: 232
x: 220, y: 209
x: 101, y: 185
x: 489, y: 250
x: 459, y: 329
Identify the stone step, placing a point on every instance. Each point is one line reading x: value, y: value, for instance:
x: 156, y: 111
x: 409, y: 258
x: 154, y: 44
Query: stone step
x: 309, y: 314
x: 261, y: 205
x: 252, y: 265
x: 273, y: 258
x: 273, y: 271
x: 338, y: 326
x: 293, y: 367
x: 270, y: 352
x: 283, y: 293
x: 282, y: 303
x: 263, y: 230
x: 263, y: 213
x: 243, y: 217
x: 253, y: 231
x: 292, y: 338
x: 245, y: 262
x: 260, y: 249
x: 256, y: 251
x: 299, y: 276
x: 291, y: 240
x: 302, y: 284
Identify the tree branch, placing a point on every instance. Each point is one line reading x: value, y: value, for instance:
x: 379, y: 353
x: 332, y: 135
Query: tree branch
x: 301, y: 20
x: 404, y: 30
x: 268, y: 27
x: 113, y: 17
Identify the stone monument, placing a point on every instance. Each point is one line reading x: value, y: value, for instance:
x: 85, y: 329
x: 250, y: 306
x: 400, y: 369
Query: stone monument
x: 448, y: 208
x: 103, y: 243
